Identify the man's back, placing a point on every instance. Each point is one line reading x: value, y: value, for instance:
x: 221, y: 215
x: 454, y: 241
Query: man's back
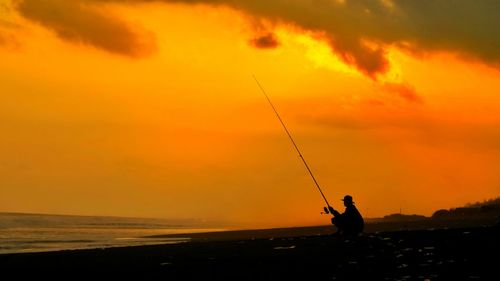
x: 353, y: 220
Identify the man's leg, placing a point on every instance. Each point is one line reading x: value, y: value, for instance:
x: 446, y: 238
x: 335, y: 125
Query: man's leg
x: 336, y: 221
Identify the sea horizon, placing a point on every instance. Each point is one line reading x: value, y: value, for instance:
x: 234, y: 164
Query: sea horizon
x: 31, y: 232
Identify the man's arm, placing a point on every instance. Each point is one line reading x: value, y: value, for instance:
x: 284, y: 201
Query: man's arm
x: 333, y: 211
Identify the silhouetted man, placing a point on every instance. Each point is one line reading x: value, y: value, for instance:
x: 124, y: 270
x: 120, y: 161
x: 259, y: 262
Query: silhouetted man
x: 350, y: 222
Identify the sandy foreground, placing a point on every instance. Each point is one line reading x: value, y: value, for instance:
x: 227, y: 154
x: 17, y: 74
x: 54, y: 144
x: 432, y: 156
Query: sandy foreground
x: 304, y: 254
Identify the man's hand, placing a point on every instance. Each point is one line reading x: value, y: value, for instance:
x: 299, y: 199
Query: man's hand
x: 333, y: 211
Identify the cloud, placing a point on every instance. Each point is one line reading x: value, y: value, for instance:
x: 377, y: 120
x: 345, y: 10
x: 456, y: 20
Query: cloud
x: 466, y: 27
x: 267, y: 41
x: 404, y: 91
x: 3, y: 40
x: 358, y: 31
x: 8, y: 38
x: 78, y: 22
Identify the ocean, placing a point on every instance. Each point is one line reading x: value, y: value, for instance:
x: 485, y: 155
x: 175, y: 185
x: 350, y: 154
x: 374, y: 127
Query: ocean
x: 22, y: 233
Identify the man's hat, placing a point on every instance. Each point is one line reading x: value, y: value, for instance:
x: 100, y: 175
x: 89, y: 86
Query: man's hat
x: 347, y: 198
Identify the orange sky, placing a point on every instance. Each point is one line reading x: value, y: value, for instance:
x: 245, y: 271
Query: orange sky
x: 149, y: 109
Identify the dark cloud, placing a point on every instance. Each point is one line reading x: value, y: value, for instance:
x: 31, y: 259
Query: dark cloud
x: 466, y: 27
x: 79, y: 22
x: 267, y: 41
x: 358, y: 31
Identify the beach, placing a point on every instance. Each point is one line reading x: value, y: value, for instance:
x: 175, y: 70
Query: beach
x: 469, y: 253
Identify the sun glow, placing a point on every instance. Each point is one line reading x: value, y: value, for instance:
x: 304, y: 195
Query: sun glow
x: 185, y: 132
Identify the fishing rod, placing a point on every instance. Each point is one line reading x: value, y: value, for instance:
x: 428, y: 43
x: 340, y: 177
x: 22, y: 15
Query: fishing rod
x: 327, y: 210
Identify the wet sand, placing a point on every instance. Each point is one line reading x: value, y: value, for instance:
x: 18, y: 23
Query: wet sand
x: 443, y: 254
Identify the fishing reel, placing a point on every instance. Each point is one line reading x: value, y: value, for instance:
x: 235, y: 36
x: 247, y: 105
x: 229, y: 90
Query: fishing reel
x: 328, y: 210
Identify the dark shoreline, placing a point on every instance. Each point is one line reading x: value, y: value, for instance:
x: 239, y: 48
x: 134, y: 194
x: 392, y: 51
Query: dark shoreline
x: 370, y: 227
x: 469, y: 253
